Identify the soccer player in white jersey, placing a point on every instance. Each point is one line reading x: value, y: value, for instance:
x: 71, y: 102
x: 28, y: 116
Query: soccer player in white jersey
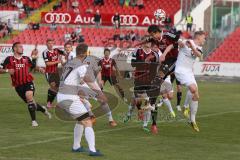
x: 188, y: 52
x: 75, y: 76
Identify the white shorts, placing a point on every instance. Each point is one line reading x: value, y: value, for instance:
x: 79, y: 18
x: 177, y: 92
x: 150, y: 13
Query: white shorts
x: 72, y: 105
x: 166, y: 86
x: 186, y: 77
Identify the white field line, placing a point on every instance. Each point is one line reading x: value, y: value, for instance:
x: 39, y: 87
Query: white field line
x: 103, y: 131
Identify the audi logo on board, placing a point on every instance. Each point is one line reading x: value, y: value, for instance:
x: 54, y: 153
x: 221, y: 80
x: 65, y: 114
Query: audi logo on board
x: 58, y: 17
x: 128, y: 20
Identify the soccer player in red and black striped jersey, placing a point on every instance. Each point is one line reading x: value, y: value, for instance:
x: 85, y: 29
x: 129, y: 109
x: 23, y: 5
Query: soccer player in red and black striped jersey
x: 52, y: 58
x: 109, y: 69
x: 18, y: 67
x: 146, y: 62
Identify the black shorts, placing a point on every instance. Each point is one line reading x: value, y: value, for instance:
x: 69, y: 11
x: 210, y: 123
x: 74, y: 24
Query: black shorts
x: 22, y: 89
x: 53, y: 77
x: 174, y: 78
x: 167, y: 67
x: 112, y: 80
x: 151, y: 90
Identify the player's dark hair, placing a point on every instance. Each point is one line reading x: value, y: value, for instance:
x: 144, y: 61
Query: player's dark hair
x: 49, y: 40
x: 81, y: 49
x: 199, y: 33
x: 106, y: 50
x: 154, y: 29
x: 15, y: 44
x: 68, y: 43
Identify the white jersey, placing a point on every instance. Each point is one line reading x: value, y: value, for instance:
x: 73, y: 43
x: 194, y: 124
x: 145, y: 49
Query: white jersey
x: 186, y: 58
x: 72, y: 77
x: 71, y: 55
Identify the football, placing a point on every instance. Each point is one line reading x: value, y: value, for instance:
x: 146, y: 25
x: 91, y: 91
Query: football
x: 160, y: 14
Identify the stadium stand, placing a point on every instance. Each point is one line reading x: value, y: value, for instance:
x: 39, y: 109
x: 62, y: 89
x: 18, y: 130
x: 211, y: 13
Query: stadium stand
x: 113, y: 6
x: 228, y: 51
x: 92, y: 36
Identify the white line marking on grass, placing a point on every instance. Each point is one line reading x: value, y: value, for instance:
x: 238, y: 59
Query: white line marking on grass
x: 217, y: 114
x: 103, y: 131
x: 61, y: 138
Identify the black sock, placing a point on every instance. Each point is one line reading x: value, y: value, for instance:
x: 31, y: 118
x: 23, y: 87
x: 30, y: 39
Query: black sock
x: 154, y: 116
x: 121, y: 92
x: 40, y: 108
x: 179, y: 97
x: 32, y: 109
x: 51, y: 96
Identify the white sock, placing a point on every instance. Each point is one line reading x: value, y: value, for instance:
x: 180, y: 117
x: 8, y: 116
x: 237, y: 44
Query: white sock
x: 78, y: 132
x: 187, y: 99
x: 145, y: 122
x: 193, y: 110
x: 109, y: 114
x: 168, y: 104
x: 90, y: 137
x: 130, y: 109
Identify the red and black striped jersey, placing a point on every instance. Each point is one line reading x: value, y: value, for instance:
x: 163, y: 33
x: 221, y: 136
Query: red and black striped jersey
x: 51, y: 56
x: 107, y: 67
x: 21, y: 68
x: 146, y: 65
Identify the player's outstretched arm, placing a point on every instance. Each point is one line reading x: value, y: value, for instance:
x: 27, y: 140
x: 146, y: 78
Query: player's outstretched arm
x: 166, y: 51
x: 10, y: 71
x: 195, y: 51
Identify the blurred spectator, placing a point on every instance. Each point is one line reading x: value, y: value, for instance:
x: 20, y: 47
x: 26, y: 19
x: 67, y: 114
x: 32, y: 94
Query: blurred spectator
x: 10, y: 26
x: 3, y: 1
x: 14, y: 3
x: 67, y: 37
x: 3, y: 29
x: 121, y: 36
x: 132, y: 36
x: 116, y: 20
x: 121, y: 2
x: 133, y: 3
x: 35, y: 26
x: 78, y: 30
x: 76, y: 10
x: 74, y: 37
x: 168, y: 22
x: 81, y: 39
x: 34, y: 56
x: 140, y: 4
x: 20, y: 5
x: 89, y: 10
x: 53, y: 27
x: 57, y: 5
x: 98, y: 2
x: 97, y: 19
x: 127, y: 3
x: 189, y: 20
x: 75, y: 4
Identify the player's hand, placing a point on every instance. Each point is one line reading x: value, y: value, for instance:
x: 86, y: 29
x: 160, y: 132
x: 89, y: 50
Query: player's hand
x: 11, y: 71
x: 162, y: 58
x: 189, y: 44
x: 41, y: 70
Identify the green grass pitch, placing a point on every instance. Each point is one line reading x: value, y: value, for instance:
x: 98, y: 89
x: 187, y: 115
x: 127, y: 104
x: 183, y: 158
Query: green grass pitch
x: 218, y: 117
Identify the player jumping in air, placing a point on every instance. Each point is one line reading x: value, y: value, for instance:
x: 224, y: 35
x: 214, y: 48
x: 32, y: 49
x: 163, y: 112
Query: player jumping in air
x: 18, y: 67
x: 145, y: 62
x: 184, y: 72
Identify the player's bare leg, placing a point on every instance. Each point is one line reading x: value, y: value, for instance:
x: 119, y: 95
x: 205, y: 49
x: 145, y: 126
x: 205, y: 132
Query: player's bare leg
x: 194, y: 105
